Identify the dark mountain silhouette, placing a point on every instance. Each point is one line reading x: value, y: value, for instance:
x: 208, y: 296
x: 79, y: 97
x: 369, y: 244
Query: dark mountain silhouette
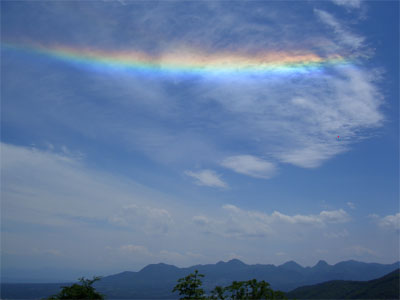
x: 291, y: 266
x: 386, y: 287
x: 157, y: 280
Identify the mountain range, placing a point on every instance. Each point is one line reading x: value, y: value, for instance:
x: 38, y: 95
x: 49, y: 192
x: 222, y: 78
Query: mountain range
x: 156, y: 281
x: 386, y: 287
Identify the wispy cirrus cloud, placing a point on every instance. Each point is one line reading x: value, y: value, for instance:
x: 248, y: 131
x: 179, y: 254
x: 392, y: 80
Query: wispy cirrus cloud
x: 207, y: 178
x: 250, y: 165
x: 297, y: 120
x: 348, y: 3
x: 343, y: 35
x: 281, y: 118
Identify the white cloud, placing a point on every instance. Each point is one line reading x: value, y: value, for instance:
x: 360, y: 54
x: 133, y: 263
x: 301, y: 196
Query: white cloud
x: 391, y: 221
x: 297, y: 120
x: 232, y: 208
x: 345, y: 105
x: 324, y: 217
x: 250, y: 165
x: 348, y: 3
x: 388, y: 222
x: 334, y: 216
x: 297, y: 219
x: 344, y: 36
x: 240, y: 223
x: 207, y: 178
x: 311, y: 156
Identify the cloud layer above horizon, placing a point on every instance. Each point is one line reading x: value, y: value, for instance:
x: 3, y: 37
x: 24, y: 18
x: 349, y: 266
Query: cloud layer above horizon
x: 64, y: 201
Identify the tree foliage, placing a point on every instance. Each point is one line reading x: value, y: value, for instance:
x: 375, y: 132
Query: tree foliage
x: 84, y: 290
x: 251, y: 289
x: 189, y: 287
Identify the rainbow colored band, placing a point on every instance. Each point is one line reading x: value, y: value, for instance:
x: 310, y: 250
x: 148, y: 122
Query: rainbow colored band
x: 188, y: 61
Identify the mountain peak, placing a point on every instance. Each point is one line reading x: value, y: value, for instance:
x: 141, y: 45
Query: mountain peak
x: 291, y: 265
x: 235, y: 261
x: 321, y: 264
x: 158, y: 267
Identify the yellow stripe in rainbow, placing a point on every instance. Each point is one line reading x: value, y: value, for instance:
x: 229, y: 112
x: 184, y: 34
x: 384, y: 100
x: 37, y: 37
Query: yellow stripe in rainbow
x: 189, y: 61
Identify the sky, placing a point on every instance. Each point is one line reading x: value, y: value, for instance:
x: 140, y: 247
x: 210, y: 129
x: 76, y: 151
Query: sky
x: 192, y: 132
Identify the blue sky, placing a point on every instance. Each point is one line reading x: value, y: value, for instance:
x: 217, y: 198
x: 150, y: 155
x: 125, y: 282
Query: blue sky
x: 105, y: 170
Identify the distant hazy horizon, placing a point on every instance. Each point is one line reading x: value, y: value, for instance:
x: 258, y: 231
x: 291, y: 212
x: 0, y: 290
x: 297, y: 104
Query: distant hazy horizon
x: 69, y: 275
x: 140, y: 132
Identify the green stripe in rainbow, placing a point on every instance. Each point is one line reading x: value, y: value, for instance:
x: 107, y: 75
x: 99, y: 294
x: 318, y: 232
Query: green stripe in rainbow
x: 188, y: 61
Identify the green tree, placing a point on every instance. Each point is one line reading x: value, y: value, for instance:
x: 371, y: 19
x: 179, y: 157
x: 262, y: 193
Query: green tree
x: 251, y: 289
x: 84, y: 290
x: 189, y: 287
x: 218, y: 293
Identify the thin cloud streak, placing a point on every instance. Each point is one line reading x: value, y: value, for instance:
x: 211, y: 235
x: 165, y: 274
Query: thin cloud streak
x: 348, y: 3
x: 250, y: 165
x: 344, y: 36
x: 207, y: 178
